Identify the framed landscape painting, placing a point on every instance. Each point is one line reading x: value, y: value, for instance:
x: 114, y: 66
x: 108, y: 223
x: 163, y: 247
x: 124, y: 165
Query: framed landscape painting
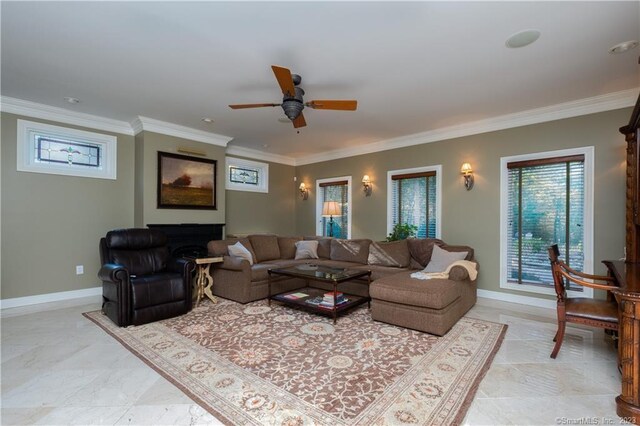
x: 186, y: 182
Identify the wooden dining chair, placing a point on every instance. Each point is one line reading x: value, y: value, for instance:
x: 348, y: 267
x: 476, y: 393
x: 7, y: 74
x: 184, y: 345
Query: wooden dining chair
x: 580, y: 310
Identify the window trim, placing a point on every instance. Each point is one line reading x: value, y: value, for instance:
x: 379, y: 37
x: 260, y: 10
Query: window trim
x: 25, y: 143
x: 319, y: 184
x: 263, y: 175
x: 588, y: 224
x: 425, y: 169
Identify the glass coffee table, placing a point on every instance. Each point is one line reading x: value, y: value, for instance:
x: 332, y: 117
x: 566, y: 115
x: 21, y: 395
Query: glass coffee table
x: 308, y: 297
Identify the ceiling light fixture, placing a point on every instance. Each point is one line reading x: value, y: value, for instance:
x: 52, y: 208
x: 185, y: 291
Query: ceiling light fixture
x: 72, y: 100
x: 624, y: 46
x: 207, y: 120
x: 522, y: 38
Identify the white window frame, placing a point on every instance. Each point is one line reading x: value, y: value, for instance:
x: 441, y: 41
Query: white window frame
x: 588, y: 153
x: 320, y: 200
x: 26, y: 145
x: 263, y: 175
x: 436, y: 168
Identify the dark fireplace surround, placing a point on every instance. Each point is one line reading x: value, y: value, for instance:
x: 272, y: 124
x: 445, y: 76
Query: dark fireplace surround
x: 189, y: 239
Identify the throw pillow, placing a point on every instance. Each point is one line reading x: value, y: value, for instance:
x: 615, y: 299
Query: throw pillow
x: 440, y: 259
x: 240, y: 251
x: 324, y: 245
x: 307, y: 249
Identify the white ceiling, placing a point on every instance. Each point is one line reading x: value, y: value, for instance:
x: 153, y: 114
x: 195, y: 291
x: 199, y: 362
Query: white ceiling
x: 413, y: 67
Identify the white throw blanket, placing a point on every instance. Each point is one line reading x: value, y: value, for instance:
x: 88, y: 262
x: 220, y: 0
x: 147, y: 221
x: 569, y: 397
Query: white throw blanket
x: 466, y: 264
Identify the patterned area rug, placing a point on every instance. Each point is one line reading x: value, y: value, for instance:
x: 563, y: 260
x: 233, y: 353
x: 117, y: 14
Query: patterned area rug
x: 254, y: 364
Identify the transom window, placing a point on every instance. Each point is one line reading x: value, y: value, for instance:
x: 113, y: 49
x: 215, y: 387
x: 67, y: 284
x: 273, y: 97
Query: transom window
x: 247, y: 175
x: 44, y: 148
x: 336, y: 190
x: 414, y: 199
x: 546, y: 203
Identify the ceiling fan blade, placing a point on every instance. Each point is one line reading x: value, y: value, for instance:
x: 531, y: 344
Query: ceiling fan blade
x: 283, y: 75
x: 299, y: 121
x: 241, y: 106
x: 328, y: 104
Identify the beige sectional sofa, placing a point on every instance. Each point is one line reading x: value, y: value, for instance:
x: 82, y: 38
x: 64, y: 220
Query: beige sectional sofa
x: 432, y: 306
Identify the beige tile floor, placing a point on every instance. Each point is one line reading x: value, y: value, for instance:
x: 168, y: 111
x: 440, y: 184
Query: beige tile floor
x: 58, y: 369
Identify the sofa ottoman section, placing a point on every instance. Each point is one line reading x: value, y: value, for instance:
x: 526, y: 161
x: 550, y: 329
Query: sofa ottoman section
x: 432, y: 306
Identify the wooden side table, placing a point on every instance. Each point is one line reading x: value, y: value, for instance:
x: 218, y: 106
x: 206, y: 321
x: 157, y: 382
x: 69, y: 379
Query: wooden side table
x: 203, y: 284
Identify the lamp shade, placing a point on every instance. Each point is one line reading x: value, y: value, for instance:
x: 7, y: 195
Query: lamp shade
x: 466, y: 169
x: 331, y: 208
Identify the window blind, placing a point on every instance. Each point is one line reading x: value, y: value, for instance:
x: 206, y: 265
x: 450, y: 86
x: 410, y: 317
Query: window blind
x: 413, y: 198
x: 546, y: 206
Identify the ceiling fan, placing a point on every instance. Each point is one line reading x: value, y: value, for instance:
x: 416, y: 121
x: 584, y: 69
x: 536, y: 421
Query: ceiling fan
x: 292, y: 102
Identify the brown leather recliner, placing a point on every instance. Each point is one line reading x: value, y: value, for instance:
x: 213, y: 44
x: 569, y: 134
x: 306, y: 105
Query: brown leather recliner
x: 141, y: 283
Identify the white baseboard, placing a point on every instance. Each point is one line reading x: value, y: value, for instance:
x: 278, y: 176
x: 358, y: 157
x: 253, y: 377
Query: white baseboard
x: 49, y: 297
x: 516, y: 298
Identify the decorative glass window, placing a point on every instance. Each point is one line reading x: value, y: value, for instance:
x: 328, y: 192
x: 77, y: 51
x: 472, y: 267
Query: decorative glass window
x: 246, y: 175
x: 44, y: 148
x: 337, y: 190
x: 414, y: 199
x: 547, y: 201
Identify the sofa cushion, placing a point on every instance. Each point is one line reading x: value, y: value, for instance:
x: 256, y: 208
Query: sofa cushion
x: 265, y: 247
x: 401, y: 288
x: 287, y: 246
x: 219, y: 248
x: 421, y: 249
x: 350, y: 250
x: 338, y: 264
x: 378, y: 271
x: 157, y: 289
x: 324, y: 246
x: 284, y: 263
x: 394, y: 253
x: 306, y: 250
x: 441, y: 259
x: 238, y: 250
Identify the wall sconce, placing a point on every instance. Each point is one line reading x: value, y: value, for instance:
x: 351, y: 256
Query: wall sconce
x: 304, y: 191
x: 467, y: 172
x: 366, y: 185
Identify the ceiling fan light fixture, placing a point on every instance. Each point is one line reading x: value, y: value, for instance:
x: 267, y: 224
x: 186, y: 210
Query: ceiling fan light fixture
x: 292, y: 108
x: 522, y: 38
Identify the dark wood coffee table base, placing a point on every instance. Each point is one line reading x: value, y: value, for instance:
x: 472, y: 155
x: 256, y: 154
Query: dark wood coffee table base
x: 331, y: 278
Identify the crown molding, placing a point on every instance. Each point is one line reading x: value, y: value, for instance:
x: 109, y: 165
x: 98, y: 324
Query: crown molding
x: 260, y: 155
x: 150, y: 125
x: 61, y: 115
x: 608, y: 102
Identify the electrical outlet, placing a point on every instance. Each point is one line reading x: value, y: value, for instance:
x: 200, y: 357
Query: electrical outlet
x: 79, y: 269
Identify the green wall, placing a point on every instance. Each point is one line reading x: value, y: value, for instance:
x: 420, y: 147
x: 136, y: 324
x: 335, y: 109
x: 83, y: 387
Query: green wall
x: 473, y: 217
x: 147, y: 146
x: 257, y: 212
x: 52, y: 223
